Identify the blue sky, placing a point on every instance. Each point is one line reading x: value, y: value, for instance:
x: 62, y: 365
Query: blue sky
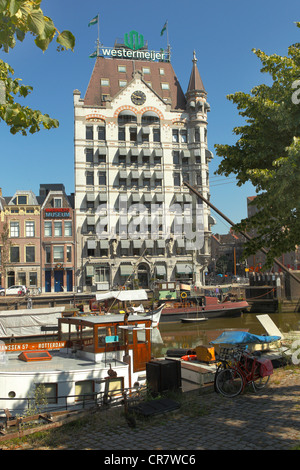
x: 222, y: 32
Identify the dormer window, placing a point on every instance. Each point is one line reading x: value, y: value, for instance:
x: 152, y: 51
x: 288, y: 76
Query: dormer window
x: 57, y: 202
x: 22, y: 200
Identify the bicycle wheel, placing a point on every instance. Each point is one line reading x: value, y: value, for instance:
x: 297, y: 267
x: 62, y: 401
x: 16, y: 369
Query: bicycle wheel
x: 220, y: 367
x: 260, y: 383
x: 229, y: 382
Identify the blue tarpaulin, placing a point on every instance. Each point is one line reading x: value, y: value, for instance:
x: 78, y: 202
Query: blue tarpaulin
x: 242, y: 337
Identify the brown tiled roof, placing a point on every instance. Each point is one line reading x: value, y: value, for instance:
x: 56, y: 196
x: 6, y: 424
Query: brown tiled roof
x: 108, y: 68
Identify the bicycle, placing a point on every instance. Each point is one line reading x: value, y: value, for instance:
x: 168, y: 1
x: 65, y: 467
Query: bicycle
x: 239, y: 368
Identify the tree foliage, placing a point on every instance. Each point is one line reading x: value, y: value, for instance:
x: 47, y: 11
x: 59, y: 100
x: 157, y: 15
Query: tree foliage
x: 267, y: 154
x: 18, y: 18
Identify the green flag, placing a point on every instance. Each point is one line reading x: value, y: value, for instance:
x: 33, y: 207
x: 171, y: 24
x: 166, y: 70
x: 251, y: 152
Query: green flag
x: 93, y: 21
x: 164, y: 28
x: 94, y: 54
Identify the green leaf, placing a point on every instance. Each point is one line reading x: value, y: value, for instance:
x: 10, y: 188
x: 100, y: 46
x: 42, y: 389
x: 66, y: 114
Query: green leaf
x: 66, y: 40
x: 20, y: 34
x: 36, y: 22
x: 3, y: 5
x: 14, y: 6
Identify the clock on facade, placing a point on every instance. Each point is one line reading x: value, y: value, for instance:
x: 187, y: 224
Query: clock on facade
x: 138, y: 97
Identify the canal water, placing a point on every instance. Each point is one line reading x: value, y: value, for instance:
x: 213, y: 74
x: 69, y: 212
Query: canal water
x: 177, y: 335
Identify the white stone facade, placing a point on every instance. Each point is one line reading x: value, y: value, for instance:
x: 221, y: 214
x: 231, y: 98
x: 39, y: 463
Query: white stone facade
x: 128, y: 155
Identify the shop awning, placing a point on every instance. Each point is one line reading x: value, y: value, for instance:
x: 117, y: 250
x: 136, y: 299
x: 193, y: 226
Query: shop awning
x: 126, y: 269
x: 103, y: 244
x: 135, y: 174
x: 125, y: 244
x: 90, y: 197
x: 135, y: 197
x: 160, y: 270
x: 184, y: 268
x: 102, y: 150
x: 123, y: 174
x: 89, y: 271
x: 91, y: 244
x: 149, y: 243
x: 147, y: 197
x: 180, y: 242
x: 90, y: 220
x: 103, y: 197
x: 137, y: 243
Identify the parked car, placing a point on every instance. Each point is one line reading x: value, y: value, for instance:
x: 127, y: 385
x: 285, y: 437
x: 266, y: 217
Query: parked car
x: 2, y: 291
x: 17, y: 290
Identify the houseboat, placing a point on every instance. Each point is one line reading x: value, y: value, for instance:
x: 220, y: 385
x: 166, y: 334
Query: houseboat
x: 187, y: 308
x: 92, y: 356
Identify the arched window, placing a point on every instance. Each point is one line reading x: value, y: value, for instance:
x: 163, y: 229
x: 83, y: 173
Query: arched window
x: 150, y: 117
x: 126, y: 116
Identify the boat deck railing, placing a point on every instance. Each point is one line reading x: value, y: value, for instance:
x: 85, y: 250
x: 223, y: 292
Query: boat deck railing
x: 100, y: 399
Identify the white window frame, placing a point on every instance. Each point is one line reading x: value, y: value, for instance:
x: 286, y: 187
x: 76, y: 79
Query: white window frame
x: 14, y: 229
x: 29, y: 228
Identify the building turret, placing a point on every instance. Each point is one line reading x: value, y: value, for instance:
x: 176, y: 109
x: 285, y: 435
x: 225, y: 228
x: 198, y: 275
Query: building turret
x: 196, y: 93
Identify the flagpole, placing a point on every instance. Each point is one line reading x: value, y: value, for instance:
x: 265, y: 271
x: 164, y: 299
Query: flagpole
x: 98, y: 43
x: 167, y: 35
x: 168, y: 44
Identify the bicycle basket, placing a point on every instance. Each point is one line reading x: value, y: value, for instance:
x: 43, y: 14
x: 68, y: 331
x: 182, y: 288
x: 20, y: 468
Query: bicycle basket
x: 226, y: 354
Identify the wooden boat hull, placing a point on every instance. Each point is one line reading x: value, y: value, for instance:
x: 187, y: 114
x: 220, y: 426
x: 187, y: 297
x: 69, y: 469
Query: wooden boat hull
x: 225, y: 309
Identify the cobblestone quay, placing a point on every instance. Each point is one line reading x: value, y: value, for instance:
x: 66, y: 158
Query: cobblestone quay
x: 268, y: 420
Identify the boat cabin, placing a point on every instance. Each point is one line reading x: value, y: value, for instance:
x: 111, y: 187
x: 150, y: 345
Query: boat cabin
x: 108, y: 338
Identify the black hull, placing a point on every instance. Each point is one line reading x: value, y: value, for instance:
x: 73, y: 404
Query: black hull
x: 177, y: 316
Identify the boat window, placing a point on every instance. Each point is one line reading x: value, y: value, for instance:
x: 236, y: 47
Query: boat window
x: 114, y: 386
x: 121, y: 332
x: 84, y: 390
x: 102, y: 332
x: 47, y: 391
x: 141, y: 336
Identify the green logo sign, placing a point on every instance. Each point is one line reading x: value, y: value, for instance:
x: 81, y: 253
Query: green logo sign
x: 135, y: 40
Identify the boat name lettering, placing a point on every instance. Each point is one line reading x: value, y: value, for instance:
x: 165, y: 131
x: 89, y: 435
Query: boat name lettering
x: 32, y: 346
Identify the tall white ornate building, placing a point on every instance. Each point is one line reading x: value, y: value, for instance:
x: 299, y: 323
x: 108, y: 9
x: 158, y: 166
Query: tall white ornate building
x: 137, y: 138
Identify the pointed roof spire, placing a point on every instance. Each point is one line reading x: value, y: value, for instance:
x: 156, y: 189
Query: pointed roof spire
x: 195, y: 83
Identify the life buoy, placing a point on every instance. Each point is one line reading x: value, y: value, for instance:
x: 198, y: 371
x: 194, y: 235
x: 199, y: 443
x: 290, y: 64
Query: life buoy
x: 183, y: 295
x: 189, y: 357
